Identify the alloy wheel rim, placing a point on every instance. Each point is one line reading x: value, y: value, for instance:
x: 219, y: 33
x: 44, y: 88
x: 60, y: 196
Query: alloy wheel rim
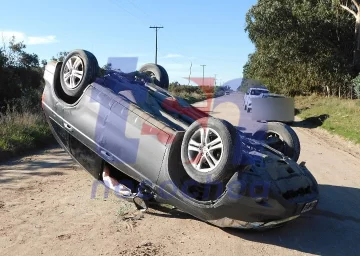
x: 205, y: 149
x: 73, y: 72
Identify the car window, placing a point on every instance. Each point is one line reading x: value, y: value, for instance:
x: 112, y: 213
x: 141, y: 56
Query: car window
x: 257, y: 92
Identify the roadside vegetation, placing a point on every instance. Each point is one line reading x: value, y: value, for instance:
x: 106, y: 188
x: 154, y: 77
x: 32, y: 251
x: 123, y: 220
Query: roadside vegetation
x: 304, y: 47
x: 21, y: 132
x: 22, y: 125
x: 339, y: 116
x: 194, y: 94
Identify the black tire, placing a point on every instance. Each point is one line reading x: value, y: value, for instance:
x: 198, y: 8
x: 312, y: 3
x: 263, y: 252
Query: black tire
x: 290, y: 143
x: 245, y: 107
x: 225, y: 167
x: 248, y: 110
x: 158, y: 73
x: 90, y: 69
x: 230, y: 127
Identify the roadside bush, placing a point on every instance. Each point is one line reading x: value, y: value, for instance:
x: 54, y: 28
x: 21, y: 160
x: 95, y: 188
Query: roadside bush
x: 21, y: 132
x: 356, y: 84
x: 195, y: 93
x: 22, y: 123
x: 342, y: 115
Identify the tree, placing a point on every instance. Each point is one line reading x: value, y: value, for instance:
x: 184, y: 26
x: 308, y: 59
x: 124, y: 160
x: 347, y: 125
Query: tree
x: 20, y: 77
x: 302, y: 46
x: 354, y: 10
x: 356, y: 86
x: 175, y: 83
x: 44, y: 63
x: 60, y: 56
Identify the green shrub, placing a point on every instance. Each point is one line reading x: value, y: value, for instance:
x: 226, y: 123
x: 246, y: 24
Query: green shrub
x: 342, y: 114
x: 356, y: 84
x: 22, y: 132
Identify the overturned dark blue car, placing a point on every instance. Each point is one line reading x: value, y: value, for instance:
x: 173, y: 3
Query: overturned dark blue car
x: 149, y: 146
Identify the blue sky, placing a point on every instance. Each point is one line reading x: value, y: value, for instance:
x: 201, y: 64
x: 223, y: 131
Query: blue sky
x: 201, y: 32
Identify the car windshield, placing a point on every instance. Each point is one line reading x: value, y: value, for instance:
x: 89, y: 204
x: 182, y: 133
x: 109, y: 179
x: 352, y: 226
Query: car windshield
x: 258, y: 92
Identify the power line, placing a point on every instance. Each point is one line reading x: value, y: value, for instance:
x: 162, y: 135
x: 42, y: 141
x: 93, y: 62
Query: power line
x: 121, y: 7
x: 150, y: 17
x: 140, y: 9
x: 156, y: 41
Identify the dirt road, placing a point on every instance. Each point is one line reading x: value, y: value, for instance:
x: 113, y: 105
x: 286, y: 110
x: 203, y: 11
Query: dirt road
x: 46, y: 208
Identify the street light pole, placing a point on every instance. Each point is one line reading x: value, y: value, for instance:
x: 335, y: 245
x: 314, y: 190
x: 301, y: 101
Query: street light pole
x: 203, y: 73
x: 156, y: 41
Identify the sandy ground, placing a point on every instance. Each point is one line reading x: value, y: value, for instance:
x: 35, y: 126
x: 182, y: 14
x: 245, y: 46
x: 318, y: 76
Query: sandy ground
x: 47, y: 208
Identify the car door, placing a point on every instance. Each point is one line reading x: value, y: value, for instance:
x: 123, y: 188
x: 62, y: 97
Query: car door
x: 86, y: 119
x: 136, y: 140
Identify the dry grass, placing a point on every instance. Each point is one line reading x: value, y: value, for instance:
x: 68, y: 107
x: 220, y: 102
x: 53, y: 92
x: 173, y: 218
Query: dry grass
x: 22, y: 132
x: 343, y: 115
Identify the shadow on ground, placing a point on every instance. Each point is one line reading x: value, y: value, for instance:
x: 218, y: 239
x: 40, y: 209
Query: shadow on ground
x: 20, y: 169
x: 311, y: 122
x: 166, y: 212
x: 332, y: 229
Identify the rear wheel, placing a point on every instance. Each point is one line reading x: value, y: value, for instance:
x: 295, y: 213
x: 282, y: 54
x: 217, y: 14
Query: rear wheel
x: 280, y: 137
x: 79, y: 69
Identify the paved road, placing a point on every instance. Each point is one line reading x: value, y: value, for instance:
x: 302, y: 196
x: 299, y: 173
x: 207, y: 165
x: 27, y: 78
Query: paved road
x: 46, y: 208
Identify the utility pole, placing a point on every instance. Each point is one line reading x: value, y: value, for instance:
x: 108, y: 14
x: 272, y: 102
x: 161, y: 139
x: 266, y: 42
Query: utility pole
x: 156, y: 41
x: 203, y: 74
x: 215, y: 79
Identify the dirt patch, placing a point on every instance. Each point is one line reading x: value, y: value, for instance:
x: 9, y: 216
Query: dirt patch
x: 144, y: 249
x: 64, y: 237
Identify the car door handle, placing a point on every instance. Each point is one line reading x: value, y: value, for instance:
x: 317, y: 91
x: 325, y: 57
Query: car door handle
x: 106, y: 154
x: 68, y: 127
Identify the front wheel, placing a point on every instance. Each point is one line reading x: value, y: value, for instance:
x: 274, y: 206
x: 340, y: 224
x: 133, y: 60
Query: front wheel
x: 207, y: 150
